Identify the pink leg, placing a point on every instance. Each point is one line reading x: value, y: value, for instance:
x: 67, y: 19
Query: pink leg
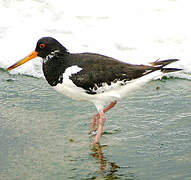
x: 94, y: 123
x: 100, y: 129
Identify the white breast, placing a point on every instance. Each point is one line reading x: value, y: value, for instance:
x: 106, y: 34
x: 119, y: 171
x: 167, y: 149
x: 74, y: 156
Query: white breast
x: 71, y: 70
x: 67, y: 87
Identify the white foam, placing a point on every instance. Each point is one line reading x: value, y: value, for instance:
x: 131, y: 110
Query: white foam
x: 132, y: 31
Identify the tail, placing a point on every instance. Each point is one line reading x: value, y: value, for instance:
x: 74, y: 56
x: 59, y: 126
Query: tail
x: 162, y: 64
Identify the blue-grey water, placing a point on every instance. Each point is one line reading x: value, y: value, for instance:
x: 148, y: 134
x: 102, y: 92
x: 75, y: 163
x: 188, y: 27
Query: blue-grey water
x: 44, y: 135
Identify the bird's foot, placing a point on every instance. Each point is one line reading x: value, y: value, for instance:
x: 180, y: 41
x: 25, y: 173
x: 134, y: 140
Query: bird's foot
x: 100, y: 128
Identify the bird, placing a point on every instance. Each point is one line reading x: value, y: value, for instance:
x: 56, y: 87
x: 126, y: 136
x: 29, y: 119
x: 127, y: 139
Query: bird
x: 92, y: 77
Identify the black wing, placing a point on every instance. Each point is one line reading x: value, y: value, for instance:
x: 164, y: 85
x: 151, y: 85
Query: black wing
x: 98, y: 69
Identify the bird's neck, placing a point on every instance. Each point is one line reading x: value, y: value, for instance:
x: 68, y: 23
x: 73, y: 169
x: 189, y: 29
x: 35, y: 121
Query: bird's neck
x: 53, y: 67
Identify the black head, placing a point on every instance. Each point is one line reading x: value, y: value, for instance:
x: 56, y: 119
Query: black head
x: 47, y: 45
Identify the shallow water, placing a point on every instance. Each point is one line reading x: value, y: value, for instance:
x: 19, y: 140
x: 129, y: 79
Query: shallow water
x: 44, y: 135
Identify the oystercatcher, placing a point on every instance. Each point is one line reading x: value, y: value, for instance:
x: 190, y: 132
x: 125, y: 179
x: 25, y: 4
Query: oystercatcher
x: 92, y: 77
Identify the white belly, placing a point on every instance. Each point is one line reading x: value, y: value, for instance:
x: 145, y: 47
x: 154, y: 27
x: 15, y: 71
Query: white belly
x: 105, y: 94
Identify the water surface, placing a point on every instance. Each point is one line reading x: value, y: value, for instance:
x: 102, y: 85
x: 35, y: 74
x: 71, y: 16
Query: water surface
x: 44, y: 135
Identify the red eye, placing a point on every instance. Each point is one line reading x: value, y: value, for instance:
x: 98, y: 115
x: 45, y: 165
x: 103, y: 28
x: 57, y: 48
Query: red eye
x: 42, y: 46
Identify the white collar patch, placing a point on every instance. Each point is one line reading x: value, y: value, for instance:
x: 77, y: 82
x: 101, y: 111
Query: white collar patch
x: 50, y: 56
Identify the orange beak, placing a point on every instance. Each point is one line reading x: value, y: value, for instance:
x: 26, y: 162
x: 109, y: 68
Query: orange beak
x: 22, y: 61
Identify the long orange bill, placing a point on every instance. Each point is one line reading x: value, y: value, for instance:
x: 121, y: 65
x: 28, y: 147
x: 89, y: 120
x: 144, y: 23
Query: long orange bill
x: 22, y: 61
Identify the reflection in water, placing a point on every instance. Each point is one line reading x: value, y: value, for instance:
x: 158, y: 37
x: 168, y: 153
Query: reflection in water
x: 104, y: 163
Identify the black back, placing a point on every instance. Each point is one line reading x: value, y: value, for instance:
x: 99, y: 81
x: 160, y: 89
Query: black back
x: 96, y: 69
